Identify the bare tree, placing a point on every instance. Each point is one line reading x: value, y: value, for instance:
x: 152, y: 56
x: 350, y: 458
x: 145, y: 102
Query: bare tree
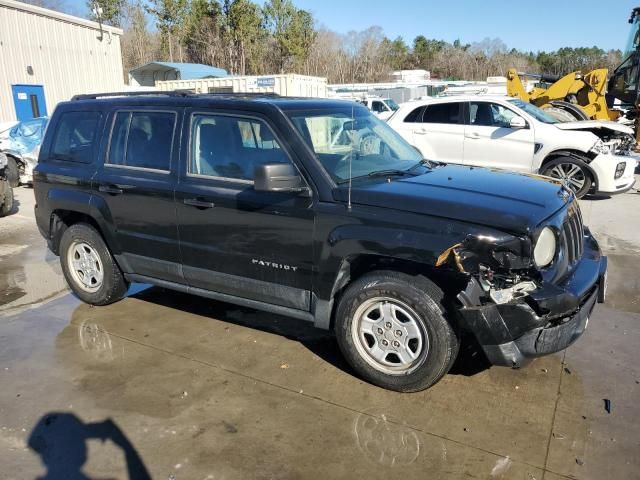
x: 139, y: 45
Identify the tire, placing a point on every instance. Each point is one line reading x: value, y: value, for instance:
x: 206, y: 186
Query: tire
x: 572, y: 108
x: 6, y: 203
x: 560, y: 114
x: 13, y: 173
x: 417, y: 319
x: 103, y: 280
x: 565, y: 168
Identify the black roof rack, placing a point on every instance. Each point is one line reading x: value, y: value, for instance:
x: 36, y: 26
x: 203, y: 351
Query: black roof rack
x: 171, y: 93
x: 242, y: 94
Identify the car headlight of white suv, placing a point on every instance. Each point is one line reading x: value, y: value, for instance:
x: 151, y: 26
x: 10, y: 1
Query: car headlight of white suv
x: 600, y: 148
x: 545, y: 249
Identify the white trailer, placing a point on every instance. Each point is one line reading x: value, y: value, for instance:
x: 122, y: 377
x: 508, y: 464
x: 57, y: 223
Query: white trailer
x: 287, y: 85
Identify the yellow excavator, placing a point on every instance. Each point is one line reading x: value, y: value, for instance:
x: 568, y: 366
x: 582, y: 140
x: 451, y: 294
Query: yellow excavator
x: 588, y: 96
x: 574, y: 96
x: 625, y: 79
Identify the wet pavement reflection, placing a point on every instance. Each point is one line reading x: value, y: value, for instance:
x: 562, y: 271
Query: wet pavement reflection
x: 209, y: 390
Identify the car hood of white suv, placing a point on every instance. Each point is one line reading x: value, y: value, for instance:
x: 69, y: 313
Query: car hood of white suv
x: 591, y: 125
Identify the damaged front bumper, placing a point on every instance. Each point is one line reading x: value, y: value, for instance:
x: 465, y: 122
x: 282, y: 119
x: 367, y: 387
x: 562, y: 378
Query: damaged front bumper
x: 544, y: 321
x: 26, y: 172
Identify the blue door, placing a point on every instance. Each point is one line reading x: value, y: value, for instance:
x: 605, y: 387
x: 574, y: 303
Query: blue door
x: 29, y: 101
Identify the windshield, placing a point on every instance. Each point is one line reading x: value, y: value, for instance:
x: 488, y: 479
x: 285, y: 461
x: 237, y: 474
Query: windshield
x: 633, y: 40
x: 534, y: 111
x: 391, y: 104
x: 624, y: 81
x: 353, y: 138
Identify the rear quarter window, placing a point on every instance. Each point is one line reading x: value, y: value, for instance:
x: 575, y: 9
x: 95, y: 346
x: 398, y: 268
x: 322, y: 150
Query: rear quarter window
x: 75, y: 137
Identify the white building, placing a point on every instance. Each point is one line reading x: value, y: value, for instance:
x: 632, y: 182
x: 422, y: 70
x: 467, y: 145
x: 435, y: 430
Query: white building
x: 47, y: 57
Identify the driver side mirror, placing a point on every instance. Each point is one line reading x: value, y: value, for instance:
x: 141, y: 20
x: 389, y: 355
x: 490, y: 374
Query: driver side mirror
x: 278, y: 177
x: 517, y: 123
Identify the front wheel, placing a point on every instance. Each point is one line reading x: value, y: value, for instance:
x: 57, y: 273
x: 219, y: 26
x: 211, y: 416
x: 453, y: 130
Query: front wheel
x: 392, y: 330
x: 572, y: 171
x: 13, y: 173
x: 6, y: 203
x: 89, y: 268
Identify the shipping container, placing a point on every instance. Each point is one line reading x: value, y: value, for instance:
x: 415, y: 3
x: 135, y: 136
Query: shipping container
x: 288, y: 85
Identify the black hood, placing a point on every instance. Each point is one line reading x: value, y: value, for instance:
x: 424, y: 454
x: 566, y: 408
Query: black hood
x: 512, y: 202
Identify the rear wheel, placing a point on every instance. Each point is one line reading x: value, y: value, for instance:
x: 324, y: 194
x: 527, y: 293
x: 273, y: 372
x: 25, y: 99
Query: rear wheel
x: 89, y: 267
x: 571, y: 171
x: 13, y: 173
x: 392, y: 330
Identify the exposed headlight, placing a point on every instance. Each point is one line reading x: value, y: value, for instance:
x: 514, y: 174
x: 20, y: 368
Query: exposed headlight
x: 600, y: 148
x: 545, y: 249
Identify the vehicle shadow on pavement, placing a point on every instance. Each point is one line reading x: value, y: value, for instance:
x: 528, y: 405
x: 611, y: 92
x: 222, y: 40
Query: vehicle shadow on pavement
x: 596, y: 197
x: 320, y: 342
x: 59, y: 439
x: 471, y: 360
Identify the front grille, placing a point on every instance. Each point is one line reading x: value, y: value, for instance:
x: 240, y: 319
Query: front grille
x: 573, y: 234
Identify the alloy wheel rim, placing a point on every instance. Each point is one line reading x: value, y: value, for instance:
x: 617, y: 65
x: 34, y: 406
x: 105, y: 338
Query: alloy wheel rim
x: 85, y: 266
x: 388, y: 336
x: 571, y: 174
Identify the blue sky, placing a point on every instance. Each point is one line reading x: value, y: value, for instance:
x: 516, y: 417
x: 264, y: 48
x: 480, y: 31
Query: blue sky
x: 575, y: 23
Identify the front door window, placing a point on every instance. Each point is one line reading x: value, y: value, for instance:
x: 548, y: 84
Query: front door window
x: 231, y: 147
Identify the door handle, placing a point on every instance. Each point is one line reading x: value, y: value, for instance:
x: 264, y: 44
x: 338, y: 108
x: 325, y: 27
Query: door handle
x: 110, y: 189
x: 473, y: 135
x: 198, y: 203
x: 421, y: 131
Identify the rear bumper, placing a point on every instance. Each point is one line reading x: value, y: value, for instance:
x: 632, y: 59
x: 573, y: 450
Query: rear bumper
x: 547, y: 321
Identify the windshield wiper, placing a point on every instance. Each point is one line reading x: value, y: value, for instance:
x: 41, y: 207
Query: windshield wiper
x: 389, y: 173
x: 430, y: 163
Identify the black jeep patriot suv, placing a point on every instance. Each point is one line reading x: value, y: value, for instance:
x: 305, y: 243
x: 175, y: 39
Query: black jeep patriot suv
x: 317, y: 210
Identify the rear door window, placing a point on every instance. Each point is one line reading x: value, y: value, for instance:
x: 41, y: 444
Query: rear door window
x: 450, y: 113
x: 142, y: 140
x: 75, y: 136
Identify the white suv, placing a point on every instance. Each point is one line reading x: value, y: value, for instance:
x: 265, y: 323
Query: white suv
x: 507, y: 133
